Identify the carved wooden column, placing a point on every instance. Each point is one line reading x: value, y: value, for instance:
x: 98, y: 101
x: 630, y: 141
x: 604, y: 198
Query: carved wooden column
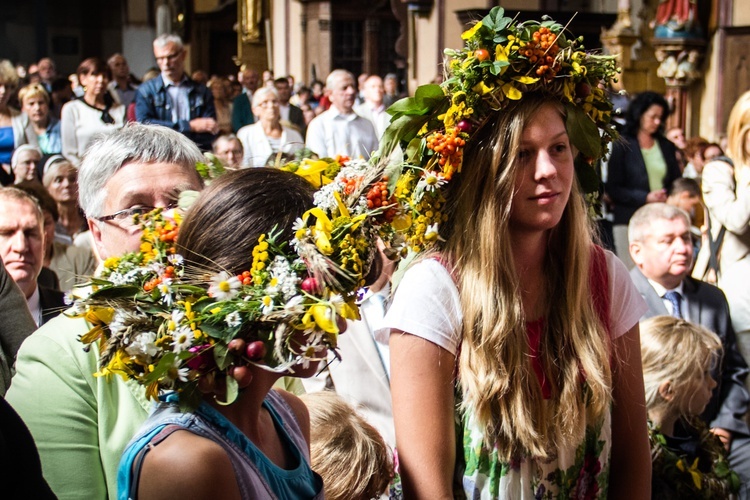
x: 679, y: 46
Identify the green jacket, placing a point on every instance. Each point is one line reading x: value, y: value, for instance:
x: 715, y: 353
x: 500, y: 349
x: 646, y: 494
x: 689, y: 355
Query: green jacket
x: 80, y: 423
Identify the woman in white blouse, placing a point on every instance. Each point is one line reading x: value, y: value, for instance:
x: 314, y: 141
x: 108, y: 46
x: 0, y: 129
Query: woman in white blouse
x: 95, y: 112
x: 268, y: 136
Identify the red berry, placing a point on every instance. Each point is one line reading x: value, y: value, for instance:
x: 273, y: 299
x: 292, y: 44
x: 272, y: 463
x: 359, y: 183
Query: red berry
x: 241, y: 374
x: 464, y: 126
x: 310, y: 285
x: 482, y: 54
x: 256, y: 350
x: 583, y: 90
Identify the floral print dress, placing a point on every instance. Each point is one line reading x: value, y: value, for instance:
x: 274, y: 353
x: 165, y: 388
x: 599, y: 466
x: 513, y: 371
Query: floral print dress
x: 576, y: 472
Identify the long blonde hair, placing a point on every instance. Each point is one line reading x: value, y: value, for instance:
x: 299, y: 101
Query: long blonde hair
x: 499, y: 385
x: 738, y: 127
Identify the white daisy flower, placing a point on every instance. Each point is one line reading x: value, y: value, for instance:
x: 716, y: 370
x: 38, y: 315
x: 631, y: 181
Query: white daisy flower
x: 175, y: 259
x: 432, y: 180
x: 182, y: 339
x: 233, y: 319
x: 224, y: 286
x: 267, y: 302
x: 298, y: 224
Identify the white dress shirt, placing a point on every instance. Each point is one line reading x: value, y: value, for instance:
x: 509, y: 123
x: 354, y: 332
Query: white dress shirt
x: 661, y: 291
x: 332, y: 133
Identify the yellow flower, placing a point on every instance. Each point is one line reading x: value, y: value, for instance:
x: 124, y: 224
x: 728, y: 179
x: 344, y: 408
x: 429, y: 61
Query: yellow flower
x: 466, y: 35
x: 313, y: 170
x: 481, y: 88
x: 526, y: 80
x: 118, y: 365
x: 511, y: 92
x: 112, y: 262
x: 501, y: 55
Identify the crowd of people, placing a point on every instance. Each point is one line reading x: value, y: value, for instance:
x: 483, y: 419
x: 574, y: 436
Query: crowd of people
x: 506, y: 345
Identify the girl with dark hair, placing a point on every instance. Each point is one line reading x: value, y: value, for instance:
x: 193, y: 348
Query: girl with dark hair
x: 257, y: 446
x: 642, y: 166
x: 95, y: 112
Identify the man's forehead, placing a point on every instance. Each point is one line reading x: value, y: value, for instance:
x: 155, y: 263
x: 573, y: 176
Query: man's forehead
x: 12, y: 208
x: 145, y: 179
x: 663, y: 227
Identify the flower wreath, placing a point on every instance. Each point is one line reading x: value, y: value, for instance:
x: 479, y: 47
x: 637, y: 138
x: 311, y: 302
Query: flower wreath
x: 156, y: 324
x: 501, y: 61
x: 693, y: 480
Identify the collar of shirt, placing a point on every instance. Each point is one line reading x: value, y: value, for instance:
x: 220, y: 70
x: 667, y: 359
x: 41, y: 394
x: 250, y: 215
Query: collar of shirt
x: 376, y: 109
x: 660, y: 290
x: 338, y: 115
x: 35, y: 306
x: 168, y: 82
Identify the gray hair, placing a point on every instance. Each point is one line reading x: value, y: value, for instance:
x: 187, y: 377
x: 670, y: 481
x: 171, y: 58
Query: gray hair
x: 337, y: 74
x: 163, y: 40
x: 644, y: 216
x: 108, y: 152
x: 263, y: 92
x: 21, y: 149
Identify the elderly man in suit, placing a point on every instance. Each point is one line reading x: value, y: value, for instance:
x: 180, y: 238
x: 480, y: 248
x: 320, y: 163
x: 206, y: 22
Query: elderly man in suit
x: 661, y: 247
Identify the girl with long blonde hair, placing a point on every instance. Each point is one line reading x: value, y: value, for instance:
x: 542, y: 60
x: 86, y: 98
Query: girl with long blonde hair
x: 515, y: 348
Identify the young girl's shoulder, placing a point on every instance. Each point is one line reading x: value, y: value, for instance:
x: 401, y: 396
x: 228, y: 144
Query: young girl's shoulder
x: 210, y: 470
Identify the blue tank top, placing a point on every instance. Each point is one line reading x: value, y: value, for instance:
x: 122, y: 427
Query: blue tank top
x: 257, y: 476
x: 7, y: 144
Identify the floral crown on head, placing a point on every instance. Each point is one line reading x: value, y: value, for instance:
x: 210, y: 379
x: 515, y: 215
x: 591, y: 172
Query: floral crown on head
x: 165, y: 325
x: 501, y: 61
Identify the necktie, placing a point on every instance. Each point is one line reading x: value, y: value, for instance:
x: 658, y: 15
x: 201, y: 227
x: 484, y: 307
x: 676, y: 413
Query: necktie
x: 674, y: 299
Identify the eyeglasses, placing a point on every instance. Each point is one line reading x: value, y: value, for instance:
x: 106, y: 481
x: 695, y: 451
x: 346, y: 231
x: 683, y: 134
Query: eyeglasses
x: 128, y: 215
x: 170, y: 57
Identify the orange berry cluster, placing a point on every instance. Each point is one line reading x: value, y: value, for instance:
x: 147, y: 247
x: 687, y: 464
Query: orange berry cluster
x: 351, y: 184
x: 449, y: 147
x: 154, y: 282
x: 377, y: 196
x: 541, y: 51
x: 168, y: 236
x: 245, y: 278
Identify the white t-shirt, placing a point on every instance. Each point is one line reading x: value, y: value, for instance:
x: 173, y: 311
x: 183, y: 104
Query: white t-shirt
x: 427, y: 304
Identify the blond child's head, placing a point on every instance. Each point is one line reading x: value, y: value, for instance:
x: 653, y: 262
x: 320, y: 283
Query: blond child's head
x: 677, y: 359
x: 347, y: 452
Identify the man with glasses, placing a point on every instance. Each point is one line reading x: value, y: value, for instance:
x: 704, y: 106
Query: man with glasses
x: 82, y: 423
x: 173, y: 99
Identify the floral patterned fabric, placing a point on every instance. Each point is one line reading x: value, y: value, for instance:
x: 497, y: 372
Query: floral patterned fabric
x: 576, y: 472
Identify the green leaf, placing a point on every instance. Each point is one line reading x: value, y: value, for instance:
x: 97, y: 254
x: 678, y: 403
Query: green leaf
x: 221, y: 355
x: 118, y: 292
x: 587, y: 176
x: 232, y: 392
x: 583, y: 133
x: 415, y: 149
x: 162, y: 367
x: 425, y: 97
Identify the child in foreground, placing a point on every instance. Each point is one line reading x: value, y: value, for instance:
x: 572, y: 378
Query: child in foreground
x: 348, y: 453
x: 688, y: 460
